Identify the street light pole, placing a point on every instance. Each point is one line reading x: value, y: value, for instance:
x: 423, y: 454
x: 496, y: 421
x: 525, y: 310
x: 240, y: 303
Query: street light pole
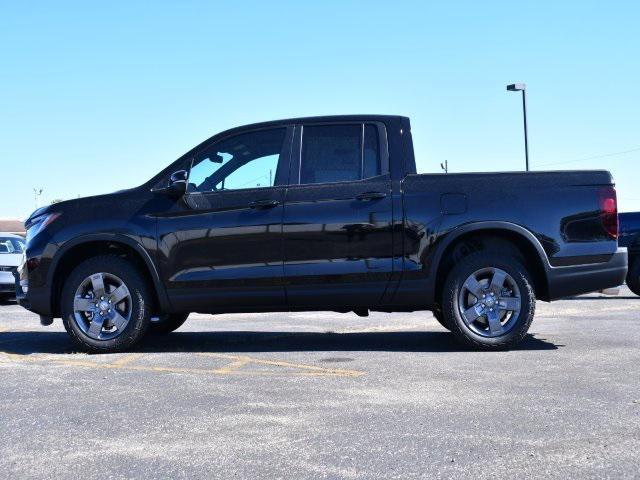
x: 526, y: 137
x: 36, y: 193
x: 515, y: 87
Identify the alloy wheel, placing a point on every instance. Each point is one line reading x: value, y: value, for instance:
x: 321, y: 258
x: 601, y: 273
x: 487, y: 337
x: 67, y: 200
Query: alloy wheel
x: 102, y: 306
x: 490, y: 302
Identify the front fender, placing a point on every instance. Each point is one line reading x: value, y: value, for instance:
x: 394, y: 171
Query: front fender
x: 135, y: 245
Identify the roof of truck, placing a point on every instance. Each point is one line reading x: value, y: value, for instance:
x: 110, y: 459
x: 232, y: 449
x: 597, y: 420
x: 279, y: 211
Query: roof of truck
x: 332, y: 118
x: 320, y: 119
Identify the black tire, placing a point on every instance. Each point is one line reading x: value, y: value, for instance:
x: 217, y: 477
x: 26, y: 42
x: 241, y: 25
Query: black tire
x: 140, y: 306
x: 633, y: 276
x: 510, y: 264
x: 167, y: 323
x: 439, y: 316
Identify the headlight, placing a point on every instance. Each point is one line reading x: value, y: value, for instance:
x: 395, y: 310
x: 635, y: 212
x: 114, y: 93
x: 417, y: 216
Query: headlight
x: 37, y: 224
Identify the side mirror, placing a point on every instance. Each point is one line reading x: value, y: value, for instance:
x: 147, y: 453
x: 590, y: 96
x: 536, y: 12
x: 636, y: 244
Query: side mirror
x: 180, y: 176
x: 177, y: 184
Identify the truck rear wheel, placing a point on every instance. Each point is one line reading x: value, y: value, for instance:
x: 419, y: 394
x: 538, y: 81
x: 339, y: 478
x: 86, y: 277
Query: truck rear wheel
x: 105, y: 305
x: 633, y: 276
x: 168, y: 323
x: 488, y: 301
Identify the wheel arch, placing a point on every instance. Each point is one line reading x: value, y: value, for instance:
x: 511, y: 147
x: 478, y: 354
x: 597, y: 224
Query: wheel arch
x: 88, y: 246
x: 530, y: 248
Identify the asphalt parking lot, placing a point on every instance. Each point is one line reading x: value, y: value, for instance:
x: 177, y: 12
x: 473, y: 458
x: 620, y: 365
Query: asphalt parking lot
x: 324, y: 395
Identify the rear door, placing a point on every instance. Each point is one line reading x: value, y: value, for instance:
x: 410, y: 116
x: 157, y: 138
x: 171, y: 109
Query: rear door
x: 337, y: 225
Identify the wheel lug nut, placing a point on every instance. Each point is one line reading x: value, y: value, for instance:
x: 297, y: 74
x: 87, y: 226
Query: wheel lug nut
x: 484, y: 296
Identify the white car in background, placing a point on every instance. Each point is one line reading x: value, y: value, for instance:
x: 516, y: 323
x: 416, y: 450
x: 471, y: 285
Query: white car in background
x: 11, y: 249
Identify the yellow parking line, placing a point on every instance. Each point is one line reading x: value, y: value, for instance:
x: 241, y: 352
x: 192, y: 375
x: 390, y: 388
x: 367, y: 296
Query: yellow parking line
x: 279, y: 363
x: 122, y: 361
x: 216, y: 371
x: 235, y: 365
x: 13, y: 356
x: 232, y: 368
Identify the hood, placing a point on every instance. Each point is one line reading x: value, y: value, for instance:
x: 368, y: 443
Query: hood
x: 36, y: 213
x: 68, y: 206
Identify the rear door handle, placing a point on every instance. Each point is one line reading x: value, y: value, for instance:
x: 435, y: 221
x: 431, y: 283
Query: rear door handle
x: 261, y: 204
x: 371, y: 196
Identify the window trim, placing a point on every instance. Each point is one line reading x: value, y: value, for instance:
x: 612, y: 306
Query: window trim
x: 383, y: 148
x: 286, y: 151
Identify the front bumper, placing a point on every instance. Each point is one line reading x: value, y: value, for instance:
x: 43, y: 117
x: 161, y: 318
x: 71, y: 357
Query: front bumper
x: 21, y: 284
x: 36, y: 298
x: 579, y: 279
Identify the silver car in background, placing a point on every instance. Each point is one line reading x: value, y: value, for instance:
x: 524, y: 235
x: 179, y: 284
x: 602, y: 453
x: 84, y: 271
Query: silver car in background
x: 11, y: 250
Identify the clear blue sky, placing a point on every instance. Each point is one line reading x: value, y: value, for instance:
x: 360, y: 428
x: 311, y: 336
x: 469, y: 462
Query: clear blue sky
x: 98, y: 96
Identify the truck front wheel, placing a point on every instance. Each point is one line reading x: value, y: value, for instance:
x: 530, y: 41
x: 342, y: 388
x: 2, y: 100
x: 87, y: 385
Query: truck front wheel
x: 105, y: 305
x: 633, y: 277
x: 488, y: 301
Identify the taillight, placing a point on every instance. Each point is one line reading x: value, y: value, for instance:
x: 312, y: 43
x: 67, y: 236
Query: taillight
x: 609, y: 211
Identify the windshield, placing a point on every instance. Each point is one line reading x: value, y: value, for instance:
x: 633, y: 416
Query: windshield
x: 11, y: 245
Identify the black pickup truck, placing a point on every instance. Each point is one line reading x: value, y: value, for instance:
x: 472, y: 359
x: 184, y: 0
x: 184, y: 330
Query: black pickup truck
x: 630, y: 238
x: 323, y: 213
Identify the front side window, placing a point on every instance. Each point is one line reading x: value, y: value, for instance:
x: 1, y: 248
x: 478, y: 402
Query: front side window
x: 248, y: 160
x: 339, y: 153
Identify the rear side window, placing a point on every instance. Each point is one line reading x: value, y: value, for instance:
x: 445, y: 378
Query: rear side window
x: 339, y: 153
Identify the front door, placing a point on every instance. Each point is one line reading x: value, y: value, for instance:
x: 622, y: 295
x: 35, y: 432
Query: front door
x: 222, y: 243
x: 338, y: 217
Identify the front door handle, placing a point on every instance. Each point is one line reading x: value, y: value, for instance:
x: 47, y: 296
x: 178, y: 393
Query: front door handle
x: 371, y: 196
x: 261, y: 204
